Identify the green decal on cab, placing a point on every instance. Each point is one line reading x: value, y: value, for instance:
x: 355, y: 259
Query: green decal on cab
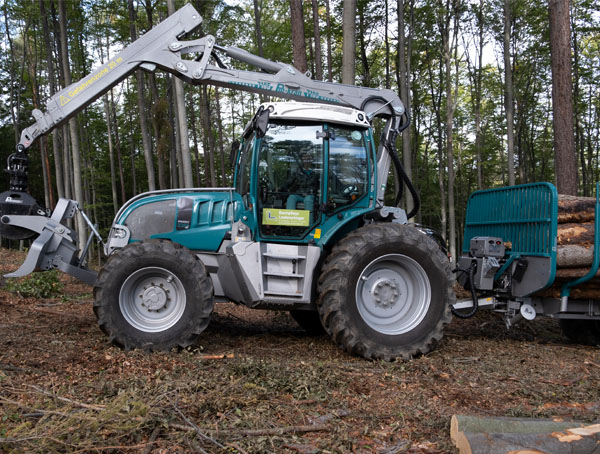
x: 274, y: 216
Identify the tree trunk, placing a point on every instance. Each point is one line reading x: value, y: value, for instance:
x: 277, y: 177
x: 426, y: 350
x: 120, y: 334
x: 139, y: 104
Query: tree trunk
x: 298, y: 39
x: 562, y: 97
x: 257, y: 29
x: 349, y: 42
x: 317, y: 34
x: 146, y: 142
x: 118, y: 146
x: 508, y: 95
x: 519, y: 435
x: 220, y: 135
x: 58, y: 169
x: 205, y: 117
x: 183, y: 133
x: 77, y: 185
x: 329, y: 65
x: 363, y: 46
x: 404, y: 83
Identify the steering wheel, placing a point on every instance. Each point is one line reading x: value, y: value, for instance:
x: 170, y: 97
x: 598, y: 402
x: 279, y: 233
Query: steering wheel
x: 349, y: 190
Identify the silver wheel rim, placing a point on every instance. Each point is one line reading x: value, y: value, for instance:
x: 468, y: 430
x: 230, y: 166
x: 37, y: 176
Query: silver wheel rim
x: 152, y: 299
x: 393, y: 294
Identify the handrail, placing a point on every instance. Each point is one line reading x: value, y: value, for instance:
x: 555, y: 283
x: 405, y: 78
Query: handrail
x: 565, y: 291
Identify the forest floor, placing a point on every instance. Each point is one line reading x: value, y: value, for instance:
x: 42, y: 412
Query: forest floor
x: 258, y: 383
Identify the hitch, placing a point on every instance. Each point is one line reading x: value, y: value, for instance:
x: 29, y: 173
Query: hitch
x: 56, y: 246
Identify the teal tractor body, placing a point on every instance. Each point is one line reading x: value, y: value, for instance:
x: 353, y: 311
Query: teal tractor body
x: 300, y: 230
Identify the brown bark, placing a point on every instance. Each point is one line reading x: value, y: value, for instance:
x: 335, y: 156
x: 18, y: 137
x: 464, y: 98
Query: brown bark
x: 575, y: 233
x: 575, y: 209
x: 317, y: 33
x: 562, y: 97
x: 298, y: 40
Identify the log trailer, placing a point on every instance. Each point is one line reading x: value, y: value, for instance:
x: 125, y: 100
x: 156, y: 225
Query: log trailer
x: 304, y: 228
x: 510, y: 265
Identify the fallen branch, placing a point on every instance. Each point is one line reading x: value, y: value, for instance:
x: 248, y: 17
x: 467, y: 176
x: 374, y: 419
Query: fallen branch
x: 195, y: 428
x: 260, y: 432
x: 66, y: 399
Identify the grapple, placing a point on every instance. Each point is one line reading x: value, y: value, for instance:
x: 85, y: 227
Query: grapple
x: 17, y: 201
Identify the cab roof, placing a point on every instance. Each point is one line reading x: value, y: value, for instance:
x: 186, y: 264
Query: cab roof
x: 306, y: 111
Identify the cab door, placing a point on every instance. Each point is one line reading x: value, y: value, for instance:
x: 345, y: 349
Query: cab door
x: 290, y: 181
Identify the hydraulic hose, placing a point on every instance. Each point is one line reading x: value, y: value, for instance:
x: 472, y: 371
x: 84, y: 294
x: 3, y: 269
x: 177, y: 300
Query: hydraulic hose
x: 473, y: 311
x: 391, y: 146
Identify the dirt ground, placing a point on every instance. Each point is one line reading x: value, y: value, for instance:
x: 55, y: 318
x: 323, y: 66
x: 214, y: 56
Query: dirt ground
x: 258, y: 383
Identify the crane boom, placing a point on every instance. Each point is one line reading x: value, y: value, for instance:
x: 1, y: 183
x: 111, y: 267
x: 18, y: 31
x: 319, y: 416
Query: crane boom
x: 160, y: 47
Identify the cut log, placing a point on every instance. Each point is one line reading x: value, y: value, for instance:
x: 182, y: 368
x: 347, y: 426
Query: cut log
x: 575, y: 209
x: 568, y: 274
x: 473, y: 435
x: 576, y: 233
x: 574, y: 256
x: 577, y: 293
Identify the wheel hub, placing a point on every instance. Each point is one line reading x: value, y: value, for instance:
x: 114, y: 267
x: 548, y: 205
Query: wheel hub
x: 386, y: 293
x: 154, y: 298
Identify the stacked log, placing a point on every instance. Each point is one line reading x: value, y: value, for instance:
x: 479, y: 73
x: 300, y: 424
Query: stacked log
x: 575, y: 247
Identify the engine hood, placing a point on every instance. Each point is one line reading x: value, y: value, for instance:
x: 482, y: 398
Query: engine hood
x: 198, y: 219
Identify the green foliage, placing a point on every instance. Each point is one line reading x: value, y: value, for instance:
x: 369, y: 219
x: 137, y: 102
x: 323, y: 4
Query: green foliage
x: 37, y: 285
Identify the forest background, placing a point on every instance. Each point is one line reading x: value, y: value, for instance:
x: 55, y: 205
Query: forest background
x: 476, y: 77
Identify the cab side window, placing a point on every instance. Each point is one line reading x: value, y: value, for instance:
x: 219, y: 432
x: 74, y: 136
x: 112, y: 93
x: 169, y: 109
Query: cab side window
x: 243, y: 177
x: 348, y: 166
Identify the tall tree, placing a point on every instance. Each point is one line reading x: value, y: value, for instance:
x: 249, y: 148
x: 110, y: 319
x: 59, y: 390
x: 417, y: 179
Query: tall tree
x: 349, y: 42
x: 298, y: 39
x: 183, y: 134
x: 329, y: 64
x: 509, y: 95
x: 317, y: 33
x: 404, y: 84
x: 75, y: 148
x: 562, y: 97
x: 146, y: 142
x: 52, y: 84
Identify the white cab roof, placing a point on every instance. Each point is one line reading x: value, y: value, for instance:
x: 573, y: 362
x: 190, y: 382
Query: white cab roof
x: 306, y: 111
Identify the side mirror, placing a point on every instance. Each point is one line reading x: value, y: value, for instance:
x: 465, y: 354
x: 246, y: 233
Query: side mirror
x: 260, y: 122
x: 235, y: 146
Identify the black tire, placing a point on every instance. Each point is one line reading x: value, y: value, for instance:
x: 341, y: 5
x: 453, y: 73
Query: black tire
x: 175, y: 296
x: 310, y: 321
x: 412, y: 278
x: 585, y: 332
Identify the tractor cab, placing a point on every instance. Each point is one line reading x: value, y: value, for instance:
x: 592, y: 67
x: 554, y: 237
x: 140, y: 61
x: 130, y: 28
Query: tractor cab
x: 304, y: 169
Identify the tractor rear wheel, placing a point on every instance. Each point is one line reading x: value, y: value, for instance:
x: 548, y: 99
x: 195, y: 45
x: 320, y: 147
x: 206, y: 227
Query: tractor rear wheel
x: 385, y: 292
x: 586, y: 332
x: 309, y: 321
x: 154, y: 295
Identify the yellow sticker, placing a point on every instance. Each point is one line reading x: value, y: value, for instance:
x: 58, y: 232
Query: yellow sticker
x: 317, y: 233
x: 63, y: 100
x: 273, y: 216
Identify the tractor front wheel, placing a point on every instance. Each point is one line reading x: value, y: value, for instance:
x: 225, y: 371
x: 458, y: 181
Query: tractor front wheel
x: 385, y: 292
x: 153, y: 295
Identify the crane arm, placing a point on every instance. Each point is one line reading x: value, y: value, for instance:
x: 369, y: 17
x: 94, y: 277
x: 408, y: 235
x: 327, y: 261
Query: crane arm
x: 160, y: 47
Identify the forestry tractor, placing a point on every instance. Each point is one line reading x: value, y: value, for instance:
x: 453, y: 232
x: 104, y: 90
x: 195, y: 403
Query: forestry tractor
x: 304, y: 228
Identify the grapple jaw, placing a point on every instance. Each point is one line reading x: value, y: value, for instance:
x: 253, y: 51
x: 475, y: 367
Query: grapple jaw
x: 55, y: 247
x: 21, y: 204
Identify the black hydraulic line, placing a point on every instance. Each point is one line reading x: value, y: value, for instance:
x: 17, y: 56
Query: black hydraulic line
x: 391, y: 146
x: 473, y: 311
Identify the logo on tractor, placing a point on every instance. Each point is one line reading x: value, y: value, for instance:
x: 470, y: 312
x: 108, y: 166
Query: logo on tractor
x: 293, y: 218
